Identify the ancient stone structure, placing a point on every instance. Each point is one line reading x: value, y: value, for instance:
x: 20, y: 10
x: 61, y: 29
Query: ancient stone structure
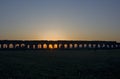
x: 58, y: 45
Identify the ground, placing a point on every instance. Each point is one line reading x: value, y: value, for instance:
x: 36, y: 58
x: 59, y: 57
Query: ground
x: 54, y: 64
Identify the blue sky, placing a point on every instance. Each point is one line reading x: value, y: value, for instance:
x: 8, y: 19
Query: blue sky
x: 60, y: 19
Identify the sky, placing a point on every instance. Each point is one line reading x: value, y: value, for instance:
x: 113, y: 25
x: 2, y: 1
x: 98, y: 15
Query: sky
x: 60, y: 20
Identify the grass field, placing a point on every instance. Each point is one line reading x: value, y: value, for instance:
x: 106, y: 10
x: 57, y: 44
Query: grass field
x: 84, y: 64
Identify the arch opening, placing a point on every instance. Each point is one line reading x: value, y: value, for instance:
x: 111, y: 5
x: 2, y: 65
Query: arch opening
x: 44, y: 46
x: 5, y: 46
x: 28, y: 46
x: 80, y: 45
x: 65, y: 46
x: 0, y: 45
x: 51, y: 46
x: 71, y: 46
x: 60, y: 45
x: 85, y: 45
x: 75, y: 45
x: 34, y: 46
x: 17, y: 45
x: 39, y: 46
x: 22, y: 45
x: 55, y: 46
x: 98, y: 46
x: 11, y: 46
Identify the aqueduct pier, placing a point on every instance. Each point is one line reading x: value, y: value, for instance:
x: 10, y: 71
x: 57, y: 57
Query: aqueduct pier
x: 60, y: 44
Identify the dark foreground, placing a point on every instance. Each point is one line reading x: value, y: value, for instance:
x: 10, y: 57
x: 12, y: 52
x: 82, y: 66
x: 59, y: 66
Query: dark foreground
x: 102, y: 64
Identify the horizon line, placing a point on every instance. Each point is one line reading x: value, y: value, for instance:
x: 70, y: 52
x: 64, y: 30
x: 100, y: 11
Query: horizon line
x: 60, y: 40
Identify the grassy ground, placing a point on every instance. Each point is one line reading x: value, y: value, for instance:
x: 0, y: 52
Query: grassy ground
x: 102, y: 64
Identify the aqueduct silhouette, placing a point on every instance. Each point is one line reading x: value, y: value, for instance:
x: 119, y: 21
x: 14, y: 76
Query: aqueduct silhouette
x: 60, y: 44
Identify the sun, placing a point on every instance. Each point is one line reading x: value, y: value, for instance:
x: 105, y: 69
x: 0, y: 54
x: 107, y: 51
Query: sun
x: 53, y: 35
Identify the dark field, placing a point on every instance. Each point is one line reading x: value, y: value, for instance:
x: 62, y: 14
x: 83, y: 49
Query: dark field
x: 101, y: 64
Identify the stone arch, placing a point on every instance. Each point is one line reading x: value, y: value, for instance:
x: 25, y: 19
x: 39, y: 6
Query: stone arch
x: 55, y: 46
x: 22, y: 45
x: 85, y: 45
x: 111, y: 45
x: 65, y: 46
x: 89, y: 45
x: 39, y: 46
x: 0, y: 46
x: 98, y: 46
x: 17, y: 45
x: 34, y: 46
x: 80, y: 45
x: 5, y: 46
x: 51, y: 46
x: 11, y: 46
x: 71, y: 46
x: 28, y: 46
x: 108, y: 46
x: 45, y: 46
x: 60, y: 45
x: 94, y: 45
x: 116, y: 46
x: 75, y: 45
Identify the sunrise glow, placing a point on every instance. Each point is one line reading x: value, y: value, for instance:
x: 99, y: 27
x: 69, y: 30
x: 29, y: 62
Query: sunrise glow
x: 59, y: 20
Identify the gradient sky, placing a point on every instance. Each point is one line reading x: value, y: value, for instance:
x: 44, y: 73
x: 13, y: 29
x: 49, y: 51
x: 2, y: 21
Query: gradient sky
x: 60, y: 19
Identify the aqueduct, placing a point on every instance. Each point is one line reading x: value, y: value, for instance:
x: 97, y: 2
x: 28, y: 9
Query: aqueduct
x: 60, y: 44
